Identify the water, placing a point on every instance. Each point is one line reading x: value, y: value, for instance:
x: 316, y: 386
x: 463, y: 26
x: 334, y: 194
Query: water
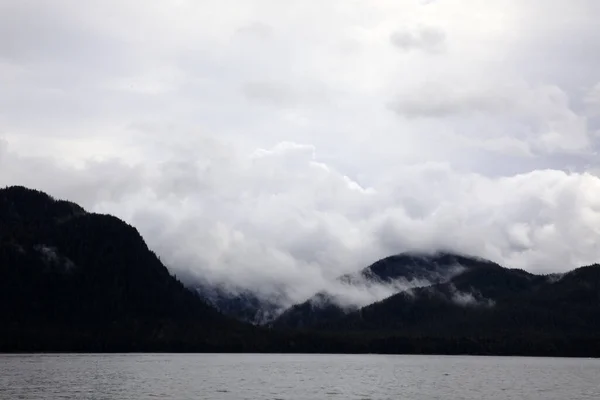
x: 233, y: 376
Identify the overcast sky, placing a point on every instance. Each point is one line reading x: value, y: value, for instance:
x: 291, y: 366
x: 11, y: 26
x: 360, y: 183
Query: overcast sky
x: 276, y: 142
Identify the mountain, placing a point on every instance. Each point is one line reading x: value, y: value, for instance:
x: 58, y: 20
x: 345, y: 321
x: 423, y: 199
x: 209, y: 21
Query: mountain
x: 487, y: 302
x: 397, y: 273
x: 76, y: 281
x: 240, y: 303
x: 478, y: 308
x: 429, y: 267
x: 70, y: 278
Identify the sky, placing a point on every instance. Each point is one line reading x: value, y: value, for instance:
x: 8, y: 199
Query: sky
x: 276, y: 145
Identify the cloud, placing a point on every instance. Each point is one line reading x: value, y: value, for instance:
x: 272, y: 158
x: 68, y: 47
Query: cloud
x: 256, y: 30
x: 355, y: 291
x: 93, y: 183
x: 280, y: 218
x: 592, y: 100
x: 442, y: 100
x: 268, y: 92
x: 466, y: 299
x: 542, y: 118
x: 279, y: 145
x: 428, y: 39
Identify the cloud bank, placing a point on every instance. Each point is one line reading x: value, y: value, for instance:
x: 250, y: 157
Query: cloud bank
x: 280, y: 144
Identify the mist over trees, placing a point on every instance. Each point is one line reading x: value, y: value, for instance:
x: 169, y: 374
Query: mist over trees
x: 77, y: 281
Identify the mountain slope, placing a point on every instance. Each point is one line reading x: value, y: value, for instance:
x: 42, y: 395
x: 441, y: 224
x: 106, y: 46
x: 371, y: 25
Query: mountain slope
x: 490, y: 303
x: 397, y: 273
x: 430, y: 267
x: 239, y: 303
x: 80, y: 274
x: 76, y: 281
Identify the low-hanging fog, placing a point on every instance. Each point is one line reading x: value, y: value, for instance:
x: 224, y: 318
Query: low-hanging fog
x: 276, y: 145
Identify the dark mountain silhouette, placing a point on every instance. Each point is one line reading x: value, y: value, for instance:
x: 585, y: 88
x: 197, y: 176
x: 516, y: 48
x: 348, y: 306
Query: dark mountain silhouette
x: 80, y: 274
x: 431, y: 267
x: 487, y: 302
x: 77, y: 281
x: 404, y: 270
x: 481, y: 309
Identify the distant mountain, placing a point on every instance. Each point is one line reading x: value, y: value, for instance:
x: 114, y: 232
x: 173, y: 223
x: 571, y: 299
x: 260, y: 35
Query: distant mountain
x: 398, y: 272
x: 240, y: 303
x: 429, y: 267
x: 487, y: 302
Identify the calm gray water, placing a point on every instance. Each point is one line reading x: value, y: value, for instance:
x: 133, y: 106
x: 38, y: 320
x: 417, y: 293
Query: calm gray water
x: 234, y: 376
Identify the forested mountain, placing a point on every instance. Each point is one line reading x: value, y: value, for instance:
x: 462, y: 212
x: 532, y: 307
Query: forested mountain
x: 239, y: 303
x: 66, y: 274
x: 77, y: 281
x: 398, y: 272
x: 487, y: 302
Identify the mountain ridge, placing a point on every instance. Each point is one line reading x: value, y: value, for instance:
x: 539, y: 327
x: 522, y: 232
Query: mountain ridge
x: 71, y: 280
x: 65, y: 269
x: 405, y: 270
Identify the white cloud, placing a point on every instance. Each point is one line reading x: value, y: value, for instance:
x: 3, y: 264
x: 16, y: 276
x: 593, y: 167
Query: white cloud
x: 283, y: 143
x: 466, y: 299
x: 280, y: 217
